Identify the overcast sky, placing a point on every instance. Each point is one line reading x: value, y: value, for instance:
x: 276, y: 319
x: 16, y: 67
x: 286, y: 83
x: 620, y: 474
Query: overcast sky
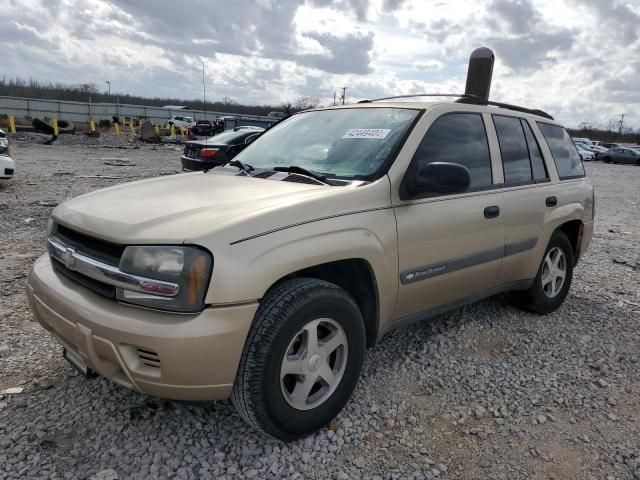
x: 577, y: 59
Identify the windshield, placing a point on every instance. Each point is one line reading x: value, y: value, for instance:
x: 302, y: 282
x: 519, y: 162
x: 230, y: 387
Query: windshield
x: 344, y: 143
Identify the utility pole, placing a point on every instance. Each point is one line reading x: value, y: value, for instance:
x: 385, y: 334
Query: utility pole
x: 344, y: 94
x: 334, y: 98
x: 109, y: 84
x: 204, y: 92
x: 621, y: 124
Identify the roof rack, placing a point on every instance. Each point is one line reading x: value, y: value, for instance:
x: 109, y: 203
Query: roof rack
x: 473, y: 100
x: 457, y: 95
x: 470, y: 99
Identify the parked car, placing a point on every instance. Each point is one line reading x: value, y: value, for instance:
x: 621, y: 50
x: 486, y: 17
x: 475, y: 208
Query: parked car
x: 217, y: 150
x: 265, y: 281
x: 582, y: 140
x: 181, y: 121
x: 610, y: 145
x: 586, y: 155
x: 206, y: 128
x: 622, y: 155
x: 7, y: 165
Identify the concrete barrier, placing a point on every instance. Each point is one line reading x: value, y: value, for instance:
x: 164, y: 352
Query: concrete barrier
x: 87, y: 111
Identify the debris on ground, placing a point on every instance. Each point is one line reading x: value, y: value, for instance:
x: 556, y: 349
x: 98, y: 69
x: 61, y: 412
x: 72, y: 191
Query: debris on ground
x: 148, y: 133
x: 119, y: 162
x: 11, y: 391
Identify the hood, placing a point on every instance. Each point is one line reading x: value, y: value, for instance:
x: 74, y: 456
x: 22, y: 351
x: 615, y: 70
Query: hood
x: 175, y: 208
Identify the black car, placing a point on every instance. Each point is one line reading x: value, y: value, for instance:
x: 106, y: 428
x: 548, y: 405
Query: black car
x: 621, y: 155
x: 217, y: 150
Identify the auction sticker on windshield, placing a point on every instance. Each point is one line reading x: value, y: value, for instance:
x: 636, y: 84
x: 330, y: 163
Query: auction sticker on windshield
x: 377, y: 133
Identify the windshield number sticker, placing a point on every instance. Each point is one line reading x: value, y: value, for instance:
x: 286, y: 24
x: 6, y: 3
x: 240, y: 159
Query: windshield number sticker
x: 376, y: 133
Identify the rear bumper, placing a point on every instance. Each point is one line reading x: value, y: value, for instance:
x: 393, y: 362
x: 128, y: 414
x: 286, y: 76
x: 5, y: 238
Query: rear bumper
x: 195, y: 356
x: 191, y: 164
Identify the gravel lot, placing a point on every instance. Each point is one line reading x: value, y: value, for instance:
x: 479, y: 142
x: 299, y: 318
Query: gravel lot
x: 486, y: 392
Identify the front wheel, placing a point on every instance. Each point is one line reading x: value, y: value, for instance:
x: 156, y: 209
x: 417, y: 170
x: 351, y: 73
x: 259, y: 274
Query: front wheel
x: 553, y: 280
x: 302, y: 359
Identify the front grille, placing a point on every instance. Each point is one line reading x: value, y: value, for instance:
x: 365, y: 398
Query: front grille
x: 92, y: 247
x: 97, y: 287
x: 97, y: 249
x: 149, y: 357
x: 8, y: 171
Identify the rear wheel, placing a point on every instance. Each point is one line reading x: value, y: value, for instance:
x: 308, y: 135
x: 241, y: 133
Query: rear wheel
x: 607, y: 159
x: 302, y: 359
x: 553, y: 280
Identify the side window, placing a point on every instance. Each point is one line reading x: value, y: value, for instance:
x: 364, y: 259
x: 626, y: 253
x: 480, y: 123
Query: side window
x: 564, y: 152
x: 513, y: 148
x: 457, y: 138
x: 537, y: 162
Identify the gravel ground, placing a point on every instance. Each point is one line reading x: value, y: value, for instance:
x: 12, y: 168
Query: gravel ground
x: 486, y: 392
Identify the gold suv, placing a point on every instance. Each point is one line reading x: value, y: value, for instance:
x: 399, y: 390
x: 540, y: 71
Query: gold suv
x: 264, y: 280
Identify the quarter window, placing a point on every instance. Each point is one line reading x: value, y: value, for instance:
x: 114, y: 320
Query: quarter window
x: 564, y: 152
x: 514, y: 151
x: 537, y: 162
x: 457, y: 138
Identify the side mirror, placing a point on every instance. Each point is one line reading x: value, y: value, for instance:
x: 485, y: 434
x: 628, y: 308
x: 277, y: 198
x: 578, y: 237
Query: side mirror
x: 440, y: 177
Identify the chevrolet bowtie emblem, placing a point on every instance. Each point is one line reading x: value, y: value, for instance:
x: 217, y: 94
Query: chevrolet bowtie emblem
x: 68, y: 258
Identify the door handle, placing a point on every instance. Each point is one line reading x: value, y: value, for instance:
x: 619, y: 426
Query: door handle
x: 492, y: 211
x: 552, y: 201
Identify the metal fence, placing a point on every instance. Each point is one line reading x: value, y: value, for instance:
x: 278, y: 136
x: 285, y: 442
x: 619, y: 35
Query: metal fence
x: 85, y: 111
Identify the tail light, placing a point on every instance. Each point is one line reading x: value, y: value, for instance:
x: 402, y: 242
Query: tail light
x: 208, y: 152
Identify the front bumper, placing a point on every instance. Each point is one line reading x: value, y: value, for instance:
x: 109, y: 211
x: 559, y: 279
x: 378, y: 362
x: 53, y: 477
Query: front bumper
x: 176, y: 356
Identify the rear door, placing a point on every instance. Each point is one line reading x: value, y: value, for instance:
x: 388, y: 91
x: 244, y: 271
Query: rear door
x: 450, y: 246
x: 528, y: 197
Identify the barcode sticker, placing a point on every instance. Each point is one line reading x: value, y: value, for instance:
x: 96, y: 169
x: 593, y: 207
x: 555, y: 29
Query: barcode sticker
x: 376, y: 133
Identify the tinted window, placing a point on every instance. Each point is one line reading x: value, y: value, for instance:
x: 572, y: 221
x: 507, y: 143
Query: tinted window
x: 537, y: 162
x: 513, y: 147
x: 458, y: 138
x: 563, y: 151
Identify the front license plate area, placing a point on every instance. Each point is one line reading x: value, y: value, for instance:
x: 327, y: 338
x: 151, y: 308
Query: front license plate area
x: 75, y: 360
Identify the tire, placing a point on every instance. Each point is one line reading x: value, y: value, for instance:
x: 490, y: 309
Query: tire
x: 540, y: 298
x: 261, y: 392
x: 607, y: 159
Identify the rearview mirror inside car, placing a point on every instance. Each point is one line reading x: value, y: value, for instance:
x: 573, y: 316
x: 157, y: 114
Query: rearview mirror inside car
x: 440, y: 177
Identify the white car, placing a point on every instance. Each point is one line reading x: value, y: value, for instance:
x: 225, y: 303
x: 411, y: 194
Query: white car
x: 181, y: 121
x: 7, y: 165
x: 585, y: 155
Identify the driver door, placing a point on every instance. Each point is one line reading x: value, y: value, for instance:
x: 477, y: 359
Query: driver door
x: 450, y: 246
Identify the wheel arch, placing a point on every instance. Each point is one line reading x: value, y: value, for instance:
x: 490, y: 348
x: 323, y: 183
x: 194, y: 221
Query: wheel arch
x: 357, y: 277
x: 573, y: 230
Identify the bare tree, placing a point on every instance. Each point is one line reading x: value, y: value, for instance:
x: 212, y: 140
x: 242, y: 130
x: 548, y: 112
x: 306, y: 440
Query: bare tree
x: 304, y: 103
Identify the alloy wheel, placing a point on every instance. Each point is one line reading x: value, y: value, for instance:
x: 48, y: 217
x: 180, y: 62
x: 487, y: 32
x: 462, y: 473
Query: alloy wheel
x: 314, y: 364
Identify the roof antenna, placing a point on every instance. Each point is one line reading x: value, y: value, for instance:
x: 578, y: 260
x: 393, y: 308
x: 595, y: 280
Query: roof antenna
x: 479, y: 73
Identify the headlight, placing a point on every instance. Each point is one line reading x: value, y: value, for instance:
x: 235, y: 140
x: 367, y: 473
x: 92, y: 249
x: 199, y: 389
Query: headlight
x: 188, y: 267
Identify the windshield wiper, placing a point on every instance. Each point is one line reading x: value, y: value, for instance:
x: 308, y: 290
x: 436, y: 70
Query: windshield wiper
x: 305, y: 172
x: 245, y: 167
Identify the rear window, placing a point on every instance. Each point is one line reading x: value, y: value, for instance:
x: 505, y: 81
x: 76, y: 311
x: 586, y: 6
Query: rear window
x: 564, y: 152
x: 228, y: 137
